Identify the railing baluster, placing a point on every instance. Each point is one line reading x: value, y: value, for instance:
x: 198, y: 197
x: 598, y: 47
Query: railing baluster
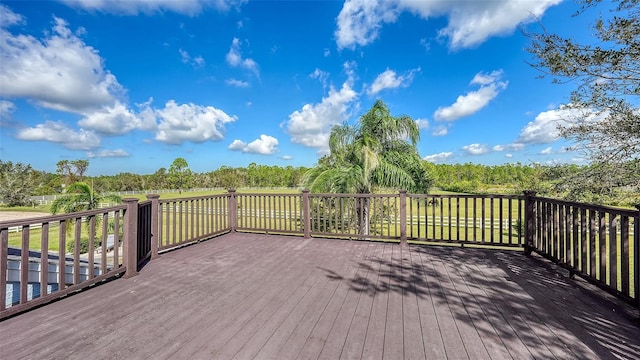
x: 561, y: 234
x: 103, y: 243
x: 602, y: 240
x: 4, y: 259
x: 24, y: 264
x: 76, y: 250
x: 584, y: 264
x: 625, y: 251
x: 62, y: 258
x: 592, y: 244
x: 491, y: 226
x: 44, y: 259
x: 92, y: 237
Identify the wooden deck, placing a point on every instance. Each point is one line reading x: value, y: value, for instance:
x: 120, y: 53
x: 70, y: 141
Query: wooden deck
x: 248, y: 296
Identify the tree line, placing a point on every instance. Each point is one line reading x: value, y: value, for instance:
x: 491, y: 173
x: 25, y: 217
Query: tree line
x: 19, y: 181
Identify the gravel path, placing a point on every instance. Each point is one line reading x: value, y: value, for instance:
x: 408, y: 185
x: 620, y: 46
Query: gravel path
x: 17, y: 215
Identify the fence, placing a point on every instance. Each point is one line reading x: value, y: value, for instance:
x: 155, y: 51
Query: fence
x: 598, y: 243
x: 53, y: 256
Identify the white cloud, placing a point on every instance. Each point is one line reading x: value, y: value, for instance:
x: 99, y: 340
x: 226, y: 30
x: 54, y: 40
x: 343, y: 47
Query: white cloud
x: 360, y: 21
x: 544, y: 128
x: 508, y: 156
x: 265, y: 145
x: 189, y: 122
x: 114, y: 120
x: 7, y: 108
x: 440, y: 157
x: 9, y: 18
x: 196, y: 62
x: 473, y: 101
x: 108, y: 153
x: 390, y: 80
x: 472, y: 23
x: 425, y: 44
x: 61, y: 72
x: 440, y: 131
x: 237, y: 145
x: 422, y: 123
x: 237, y: 83
x: 486, y: 79
x: 234, y: 58
x: 134, y: 7
x: 58, y: 71
x: 287, y: 157
x: 547, y: 151
x: 184, y: 56
x: 469, y: 23
x: 350, y: 68
x: 509, y: 147
x: 320, y: 75
x: 311, y: 125
x: 476, y: 149
x: 58, y: 132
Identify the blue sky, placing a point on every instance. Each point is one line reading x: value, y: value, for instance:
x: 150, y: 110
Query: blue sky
x: 132, y: 85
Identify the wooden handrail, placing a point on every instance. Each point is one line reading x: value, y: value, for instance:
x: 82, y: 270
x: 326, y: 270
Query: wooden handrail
x: 592, y: 241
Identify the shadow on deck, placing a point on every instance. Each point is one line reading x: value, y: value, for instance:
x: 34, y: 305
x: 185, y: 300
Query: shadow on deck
x: 251, y: 296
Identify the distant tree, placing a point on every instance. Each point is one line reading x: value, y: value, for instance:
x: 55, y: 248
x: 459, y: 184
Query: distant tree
x: 72, y: 170
x: 180, y: 174
x: 228, y: 177
x: 80, y: 197
x: 16, y: 183
x: 606, y: 72
x: 46, y: 183
x: 379, y: 151
x: 159, y: 179
x: 128, y: 182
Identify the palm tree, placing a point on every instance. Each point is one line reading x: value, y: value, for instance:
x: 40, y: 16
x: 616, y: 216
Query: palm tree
x: 80, y: 196
x: 378, y: 152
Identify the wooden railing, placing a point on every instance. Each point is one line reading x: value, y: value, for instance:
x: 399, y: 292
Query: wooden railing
x: 270, y: 213
x: 55, y: 255
x: 491, y: 220
x: 598, y: 243
x: 355, y: 216
x: 188, y: 220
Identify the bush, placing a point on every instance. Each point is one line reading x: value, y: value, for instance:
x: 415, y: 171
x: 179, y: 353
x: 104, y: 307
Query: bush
x: 464, y: 186
x: 518, y: 227
x: 84, y: 245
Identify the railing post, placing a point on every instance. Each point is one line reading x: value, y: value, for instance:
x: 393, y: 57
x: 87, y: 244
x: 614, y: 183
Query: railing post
x: 636, y: 255
x: 403, y: 217
x: 233, y: 210
x: 306, y: 217
x: 129, y: 243
x: 529, y: 221
x: 154, y: 225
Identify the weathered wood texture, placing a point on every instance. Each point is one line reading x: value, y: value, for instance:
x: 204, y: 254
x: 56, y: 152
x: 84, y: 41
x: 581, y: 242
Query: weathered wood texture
x: 251, y: 296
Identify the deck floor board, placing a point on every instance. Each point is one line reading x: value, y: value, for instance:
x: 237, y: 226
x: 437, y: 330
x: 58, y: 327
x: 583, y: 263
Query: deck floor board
x: 257, y: 296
